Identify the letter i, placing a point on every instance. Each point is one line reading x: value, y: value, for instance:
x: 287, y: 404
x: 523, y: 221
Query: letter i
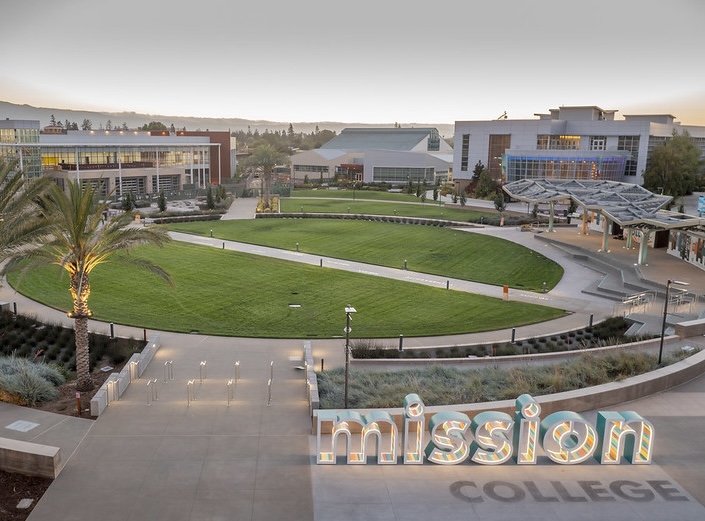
x: 412, y: 440
x: 526, y: 418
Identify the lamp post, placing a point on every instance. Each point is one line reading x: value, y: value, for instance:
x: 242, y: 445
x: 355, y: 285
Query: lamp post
x: 665, y: 312
x: 349, y: 310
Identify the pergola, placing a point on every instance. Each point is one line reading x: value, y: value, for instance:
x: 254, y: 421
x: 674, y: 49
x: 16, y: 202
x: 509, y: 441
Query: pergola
x: 630, y: 206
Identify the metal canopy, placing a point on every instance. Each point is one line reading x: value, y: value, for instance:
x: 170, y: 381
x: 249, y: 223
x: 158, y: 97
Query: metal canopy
x: 624, y: 203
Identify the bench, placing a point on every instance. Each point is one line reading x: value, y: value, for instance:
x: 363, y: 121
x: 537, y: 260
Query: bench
x: 30, y: 459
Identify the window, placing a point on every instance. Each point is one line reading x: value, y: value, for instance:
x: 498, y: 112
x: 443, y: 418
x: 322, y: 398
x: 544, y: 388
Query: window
x: 630, y: 144
x: 550, y: 142
x: 434, y: 141
x: 498, y: 144
x: 402, y: 175
x: 598, y: 143
x: 465, y: 150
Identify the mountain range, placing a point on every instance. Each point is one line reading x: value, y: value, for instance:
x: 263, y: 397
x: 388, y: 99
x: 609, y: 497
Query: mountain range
x: 134, y: 120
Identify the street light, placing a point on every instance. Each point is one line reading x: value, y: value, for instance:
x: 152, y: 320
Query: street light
x: 349, y: 310
x: 665, y: 312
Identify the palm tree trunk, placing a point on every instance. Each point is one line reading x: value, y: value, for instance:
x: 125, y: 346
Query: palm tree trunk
x: 84, y: 382
x: 267, y: 188
x: 80, y: 289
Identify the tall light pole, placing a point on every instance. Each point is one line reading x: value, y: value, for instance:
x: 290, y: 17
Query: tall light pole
x: 349, y: 310
x: 665, y: 312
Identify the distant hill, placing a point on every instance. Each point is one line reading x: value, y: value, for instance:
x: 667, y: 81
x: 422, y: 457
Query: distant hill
x: 135, y: 120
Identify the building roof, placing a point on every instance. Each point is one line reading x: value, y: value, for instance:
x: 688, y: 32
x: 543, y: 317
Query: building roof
x: 624, y: 203
x: 378, y: 138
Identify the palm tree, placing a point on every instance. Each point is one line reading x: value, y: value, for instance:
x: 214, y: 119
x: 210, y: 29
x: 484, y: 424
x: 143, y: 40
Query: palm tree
x: 21, y: 222
x: 81, y: 241
x: 266, y: 157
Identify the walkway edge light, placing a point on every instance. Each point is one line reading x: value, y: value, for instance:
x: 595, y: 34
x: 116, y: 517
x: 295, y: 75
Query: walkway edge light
x: 349, y: 310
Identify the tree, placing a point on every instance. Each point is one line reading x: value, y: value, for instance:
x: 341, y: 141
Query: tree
x: 674, y: 167
x: 20, y: 221
x: 485, y: 185
x: 154, y: 125
x: 500, y: 204
x: 479, y: 168
x: 210, y: 201
x: 128, y: 202
x: 86, y: 125
x: 161, y: 201
x: 81, y: 241
x: 266, y: 157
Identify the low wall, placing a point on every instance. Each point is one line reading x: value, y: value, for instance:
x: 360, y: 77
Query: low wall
x: 369, y: 217
x: 30, y: 459
x: 690, y: 328
x: 499, y: 361
x: 580, y: 400
x: 117, y: 383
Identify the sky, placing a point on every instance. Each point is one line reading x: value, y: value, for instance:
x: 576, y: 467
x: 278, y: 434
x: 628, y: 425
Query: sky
x: 368, y: 61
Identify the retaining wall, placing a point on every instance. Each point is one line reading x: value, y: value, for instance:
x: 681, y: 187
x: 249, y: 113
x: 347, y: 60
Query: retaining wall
x: 117, y: 383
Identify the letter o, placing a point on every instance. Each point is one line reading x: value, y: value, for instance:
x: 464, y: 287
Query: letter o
x: 456, y: 489
x: 491, y: 486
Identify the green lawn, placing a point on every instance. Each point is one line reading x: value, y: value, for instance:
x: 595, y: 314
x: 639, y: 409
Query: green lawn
x: 228, y: 293
x: 439, y: 251
x: 356, y: 194
x: 429, y: 210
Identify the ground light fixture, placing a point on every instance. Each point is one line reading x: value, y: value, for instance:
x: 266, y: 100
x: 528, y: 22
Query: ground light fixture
x: 349, y: 310
x: 665, y: 312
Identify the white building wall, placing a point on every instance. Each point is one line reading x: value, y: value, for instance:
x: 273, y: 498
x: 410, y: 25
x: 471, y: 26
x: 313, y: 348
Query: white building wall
x: 524, y: 133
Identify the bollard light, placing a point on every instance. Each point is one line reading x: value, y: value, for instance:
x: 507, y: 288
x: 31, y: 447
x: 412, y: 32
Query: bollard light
x: 349, y: 310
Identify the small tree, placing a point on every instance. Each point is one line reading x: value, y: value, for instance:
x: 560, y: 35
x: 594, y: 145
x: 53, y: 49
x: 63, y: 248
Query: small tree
x: 435, y: 193
x: 161, y: 201
x: 128, y: 202
x: 210, y: 201
x: 463, y: 198
x: 500, y: 205
x: 485, y: 185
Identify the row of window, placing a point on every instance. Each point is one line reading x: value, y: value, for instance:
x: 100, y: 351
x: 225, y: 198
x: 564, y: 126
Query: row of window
x: 97, y: 157
x: 311, y: 168
x: 528, y: 167
x: 402, y: 175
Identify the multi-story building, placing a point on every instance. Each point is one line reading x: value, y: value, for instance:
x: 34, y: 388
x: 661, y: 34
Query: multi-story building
x: 142, y: 162
x: 377, y: 155
x: 567, y: 143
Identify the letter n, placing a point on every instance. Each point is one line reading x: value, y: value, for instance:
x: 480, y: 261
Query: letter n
x: 627, y: 433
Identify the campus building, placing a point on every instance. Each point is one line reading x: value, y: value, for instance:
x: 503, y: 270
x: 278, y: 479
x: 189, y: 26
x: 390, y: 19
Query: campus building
x: 141, y: 162
x: 377, y: 155
x: 581, y: 142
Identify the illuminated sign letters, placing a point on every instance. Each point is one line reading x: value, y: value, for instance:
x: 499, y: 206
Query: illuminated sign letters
x: 565, y: 437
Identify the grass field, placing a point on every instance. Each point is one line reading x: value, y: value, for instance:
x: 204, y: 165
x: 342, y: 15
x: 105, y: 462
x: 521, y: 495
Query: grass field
x: 429, y: 210
x: 356, y: 194
x: 228, y: 293
x: 439, y: 251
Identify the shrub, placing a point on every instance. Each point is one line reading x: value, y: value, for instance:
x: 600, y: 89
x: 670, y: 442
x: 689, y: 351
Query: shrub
x: 29, y: 382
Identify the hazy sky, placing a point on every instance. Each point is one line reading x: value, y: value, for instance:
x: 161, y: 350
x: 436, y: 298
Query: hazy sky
x: 368, y: 61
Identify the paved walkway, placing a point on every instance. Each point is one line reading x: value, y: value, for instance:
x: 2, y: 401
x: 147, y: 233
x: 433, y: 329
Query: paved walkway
x: 252, y: 458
